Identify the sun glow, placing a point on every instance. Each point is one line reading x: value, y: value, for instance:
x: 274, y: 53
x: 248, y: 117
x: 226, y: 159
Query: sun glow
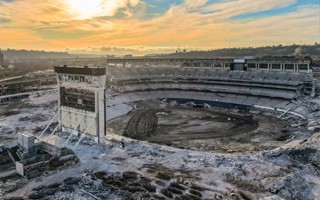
x: 85, y: 8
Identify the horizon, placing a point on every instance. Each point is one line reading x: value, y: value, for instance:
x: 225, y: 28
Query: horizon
x: 142, y: 27
x: 161, y: 53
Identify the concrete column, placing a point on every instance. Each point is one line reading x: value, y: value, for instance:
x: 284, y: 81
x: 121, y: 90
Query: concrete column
x: 96, y: 124
x: 102, y: 114
x: 59, y: 102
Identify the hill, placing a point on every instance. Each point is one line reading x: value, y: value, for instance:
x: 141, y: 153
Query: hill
x: 274, y: 51
x: 12, y: 54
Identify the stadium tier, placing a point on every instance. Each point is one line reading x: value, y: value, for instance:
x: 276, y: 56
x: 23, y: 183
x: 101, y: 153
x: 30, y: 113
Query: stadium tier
x: 265, y: 88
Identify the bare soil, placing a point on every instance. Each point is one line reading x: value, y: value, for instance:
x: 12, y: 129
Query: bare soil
x: 213, y: 130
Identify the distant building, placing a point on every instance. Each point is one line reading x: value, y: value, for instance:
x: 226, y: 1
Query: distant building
x: 128, y: 56
x: 1, y: 58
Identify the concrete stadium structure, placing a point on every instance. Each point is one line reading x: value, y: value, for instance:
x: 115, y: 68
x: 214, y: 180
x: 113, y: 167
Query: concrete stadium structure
x: 23, y: 84
x: 26, y: 83
x: 236, y: 85
x: 269, y: 84
x: 218, y: 82
x: 276, y: 64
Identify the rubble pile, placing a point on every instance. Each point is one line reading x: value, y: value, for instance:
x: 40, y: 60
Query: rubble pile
x: 314, y: 121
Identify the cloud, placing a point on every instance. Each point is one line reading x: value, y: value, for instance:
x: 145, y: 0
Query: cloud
x: 24, y: 38
x: 4, y: 20
x: 82, y: 9
x: 228, y: 9
x: 119, y: 25
x: 112, y: 50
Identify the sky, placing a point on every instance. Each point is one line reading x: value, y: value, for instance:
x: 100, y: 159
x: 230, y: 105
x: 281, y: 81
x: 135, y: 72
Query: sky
x: 155, y: 26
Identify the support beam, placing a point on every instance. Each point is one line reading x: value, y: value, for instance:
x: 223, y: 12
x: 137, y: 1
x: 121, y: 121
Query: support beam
x: 83, y: 135
x: 72, y: 133
x: 55, y: 129
x: 50, y: 123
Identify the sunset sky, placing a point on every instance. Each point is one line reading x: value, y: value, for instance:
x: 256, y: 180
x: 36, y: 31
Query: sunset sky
x: 149, y: 26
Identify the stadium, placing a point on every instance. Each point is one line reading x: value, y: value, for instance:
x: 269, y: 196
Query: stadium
x: 239, y: 86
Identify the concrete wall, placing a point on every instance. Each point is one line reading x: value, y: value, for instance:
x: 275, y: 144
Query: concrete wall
x: 73, y: 117
x: 77, y: 119
x: 26, y: 141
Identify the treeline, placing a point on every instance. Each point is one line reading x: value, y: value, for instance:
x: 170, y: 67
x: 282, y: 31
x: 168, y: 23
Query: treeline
x: 276, y: 51
x: 12, y: 54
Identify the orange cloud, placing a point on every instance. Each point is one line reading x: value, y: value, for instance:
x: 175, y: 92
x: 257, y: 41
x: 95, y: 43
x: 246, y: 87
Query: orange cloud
x: 54, y: 25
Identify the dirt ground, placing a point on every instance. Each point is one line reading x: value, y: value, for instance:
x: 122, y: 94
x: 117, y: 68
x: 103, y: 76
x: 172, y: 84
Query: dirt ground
x: 206, y: 129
